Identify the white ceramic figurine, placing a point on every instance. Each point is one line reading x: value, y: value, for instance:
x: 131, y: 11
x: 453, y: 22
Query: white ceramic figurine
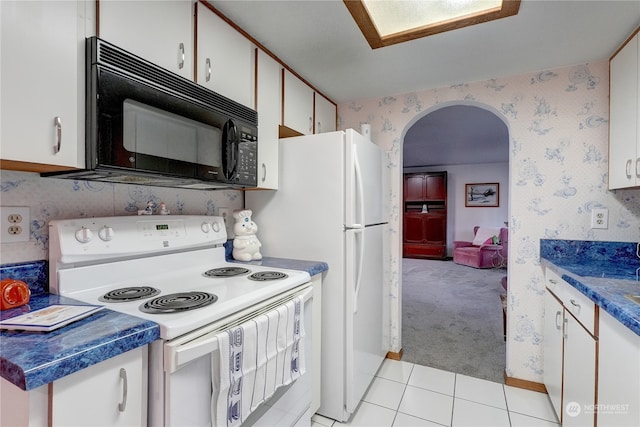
x: 246, y: 246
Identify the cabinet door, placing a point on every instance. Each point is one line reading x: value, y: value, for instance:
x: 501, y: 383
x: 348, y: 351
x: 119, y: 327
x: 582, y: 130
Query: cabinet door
x: 158, y: 31
x: 414, y: 188
x: 435, y: 228
x: 435, y: 187
x: 94, y: 396
x: 618, y: 373
x: 268, y: 101
x: 297, y: 111
x: 624, y: 117
x: 413, y: 228
x: 553, y: 317
x: 325, y: 114
x: 579, y: 385
x: 224, y: 58
x: 42, y: 81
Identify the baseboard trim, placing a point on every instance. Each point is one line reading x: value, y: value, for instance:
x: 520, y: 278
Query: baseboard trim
x: 528, y: 385
x: 394, y: 356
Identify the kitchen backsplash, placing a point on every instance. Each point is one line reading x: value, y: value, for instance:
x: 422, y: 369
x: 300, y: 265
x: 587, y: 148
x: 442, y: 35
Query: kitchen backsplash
x: 51, y: 198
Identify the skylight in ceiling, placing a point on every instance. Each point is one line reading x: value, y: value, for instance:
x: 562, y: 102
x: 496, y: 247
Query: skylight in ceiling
x: 387, y: 22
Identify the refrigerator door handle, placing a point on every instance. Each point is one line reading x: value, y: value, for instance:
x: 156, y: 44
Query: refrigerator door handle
x: 360, y: 186
x: 358, y: 194
x: 360, y: 258
x: 360, y: 226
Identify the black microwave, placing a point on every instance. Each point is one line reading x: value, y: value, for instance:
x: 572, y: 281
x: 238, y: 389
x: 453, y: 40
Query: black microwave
x: 146, y: 125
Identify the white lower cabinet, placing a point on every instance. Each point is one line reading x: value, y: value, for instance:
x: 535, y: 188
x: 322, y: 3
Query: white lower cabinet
x: 618, y: 374
x: 579, y: 375
x: 110, y: 393
x: 570, y: 353
x: 553, y: 340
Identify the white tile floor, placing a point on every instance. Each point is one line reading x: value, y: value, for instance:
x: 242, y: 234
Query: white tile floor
x: 408, y: 395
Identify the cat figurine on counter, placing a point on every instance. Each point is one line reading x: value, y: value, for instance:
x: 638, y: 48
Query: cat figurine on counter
x: 246, y: 246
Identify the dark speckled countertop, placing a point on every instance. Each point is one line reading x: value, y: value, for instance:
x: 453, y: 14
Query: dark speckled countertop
x: 32, y: 359
x: 603, y: 271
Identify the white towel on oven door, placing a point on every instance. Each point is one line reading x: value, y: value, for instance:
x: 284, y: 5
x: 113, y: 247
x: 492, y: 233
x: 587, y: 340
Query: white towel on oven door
x: 254, y: 359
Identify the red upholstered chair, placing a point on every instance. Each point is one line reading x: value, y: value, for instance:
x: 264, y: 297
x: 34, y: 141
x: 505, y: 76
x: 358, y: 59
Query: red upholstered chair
x: 482, y: 252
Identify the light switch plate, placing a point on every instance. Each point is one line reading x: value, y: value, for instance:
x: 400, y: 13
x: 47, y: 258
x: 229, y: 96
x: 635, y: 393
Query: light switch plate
x: 15, y: 222
x: 599, y: 218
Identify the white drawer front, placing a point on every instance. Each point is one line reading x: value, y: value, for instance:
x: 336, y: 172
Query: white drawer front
x: 580, y: 306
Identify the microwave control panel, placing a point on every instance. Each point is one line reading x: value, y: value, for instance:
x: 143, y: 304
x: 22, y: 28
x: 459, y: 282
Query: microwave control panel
x: 247, y: 172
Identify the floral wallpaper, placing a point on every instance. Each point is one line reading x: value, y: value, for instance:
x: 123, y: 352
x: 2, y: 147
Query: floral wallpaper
x: 558, y: 131
x: 51, y: 198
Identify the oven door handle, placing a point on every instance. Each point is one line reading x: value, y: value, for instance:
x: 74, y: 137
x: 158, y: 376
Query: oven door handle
x: 187, y: 348
x: 192, y: 351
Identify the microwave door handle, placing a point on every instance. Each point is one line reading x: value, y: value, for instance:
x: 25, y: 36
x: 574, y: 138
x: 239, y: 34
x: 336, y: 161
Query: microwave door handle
x: 229, y: 149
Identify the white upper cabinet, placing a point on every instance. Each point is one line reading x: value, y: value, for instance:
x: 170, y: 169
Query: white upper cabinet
x: 624, y: 117
x: 325, y: 114
x: 224, y: 58
x: 297, y: 111
x: 158, y: 31
x: 268, y: 105
x: 42, y: 84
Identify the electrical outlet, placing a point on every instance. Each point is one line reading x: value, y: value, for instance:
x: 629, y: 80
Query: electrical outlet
x: 600, y: 218
x: 15, y: 222
x: 224, y: 213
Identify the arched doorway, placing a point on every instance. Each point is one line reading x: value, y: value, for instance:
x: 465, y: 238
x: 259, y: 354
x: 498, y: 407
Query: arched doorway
x: 452, y: 314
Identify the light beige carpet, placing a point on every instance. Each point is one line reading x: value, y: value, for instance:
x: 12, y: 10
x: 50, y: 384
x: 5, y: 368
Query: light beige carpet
x: 452, y: 318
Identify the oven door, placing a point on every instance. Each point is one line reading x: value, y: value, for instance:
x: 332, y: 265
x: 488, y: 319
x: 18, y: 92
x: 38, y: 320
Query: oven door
x: 181, y: 388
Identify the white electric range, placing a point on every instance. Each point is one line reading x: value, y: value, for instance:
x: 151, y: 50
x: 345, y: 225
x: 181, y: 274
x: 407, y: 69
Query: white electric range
x: 172, y: 270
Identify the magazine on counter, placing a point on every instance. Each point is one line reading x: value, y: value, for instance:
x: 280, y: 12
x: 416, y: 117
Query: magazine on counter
x: 49, y: 318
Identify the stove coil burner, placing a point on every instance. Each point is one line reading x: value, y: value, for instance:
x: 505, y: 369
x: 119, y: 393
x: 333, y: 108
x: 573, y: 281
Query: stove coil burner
x: 178, y: 302
x: 268, y: 275
x: 132, y: 293
x: 226, y: 272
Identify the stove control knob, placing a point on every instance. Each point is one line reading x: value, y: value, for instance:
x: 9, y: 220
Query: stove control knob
x: 84, y: 235
x: 106, y: 233
x: 205, y: 227
x: 216, y: 226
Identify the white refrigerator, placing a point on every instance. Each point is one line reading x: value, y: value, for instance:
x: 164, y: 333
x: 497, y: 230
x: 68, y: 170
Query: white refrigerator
x: 329, y: 207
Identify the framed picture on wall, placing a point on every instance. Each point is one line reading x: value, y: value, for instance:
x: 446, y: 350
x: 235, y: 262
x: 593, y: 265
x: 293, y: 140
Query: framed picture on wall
x: 486, y: 195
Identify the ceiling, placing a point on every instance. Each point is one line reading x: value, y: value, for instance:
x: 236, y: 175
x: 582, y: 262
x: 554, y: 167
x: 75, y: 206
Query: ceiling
x: 322, y: 43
